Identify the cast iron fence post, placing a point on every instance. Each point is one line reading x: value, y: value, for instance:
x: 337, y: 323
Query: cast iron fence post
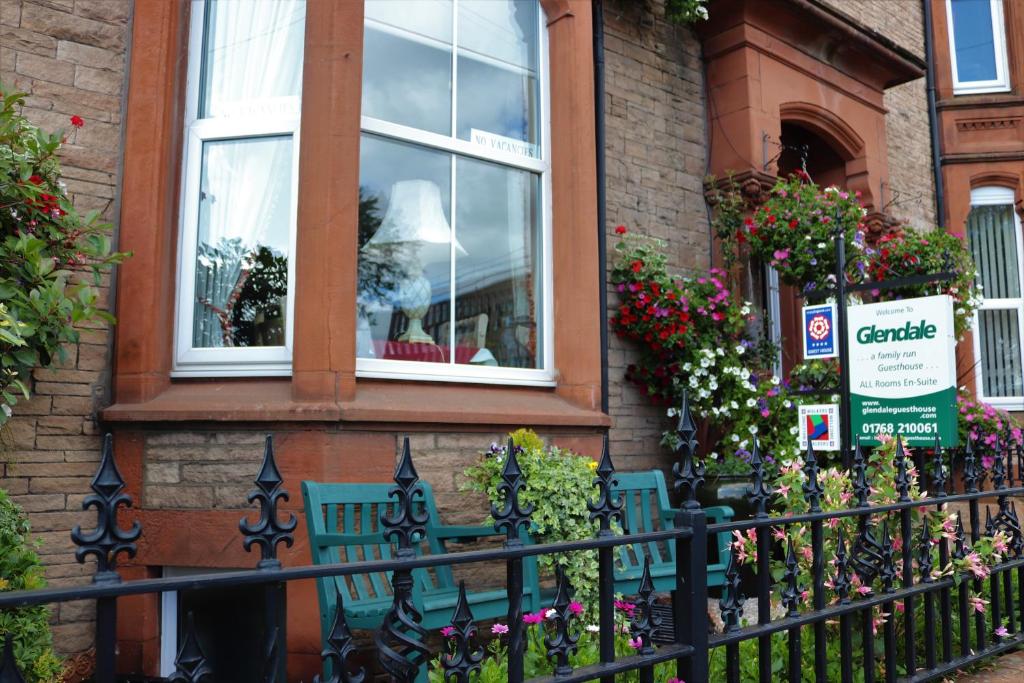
x: 268, y: 532
x: 690, y: 598
x: 104, y: 543
x: 606, y: 509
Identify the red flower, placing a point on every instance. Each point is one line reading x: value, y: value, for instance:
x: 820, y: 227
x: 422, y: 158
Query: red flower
x: 637, y: 266
x: 620, y: 230
x: 35, y: 180
x: 793, y: 223
x: 77, y: 121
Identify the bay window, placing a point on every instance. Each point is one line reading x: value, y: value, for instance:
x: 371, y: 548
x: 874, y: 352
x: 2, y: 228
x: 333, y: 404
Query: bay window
x: 239, y: 188
x: 994, y: 236
x: 454, y: 245
x: 977, y: 45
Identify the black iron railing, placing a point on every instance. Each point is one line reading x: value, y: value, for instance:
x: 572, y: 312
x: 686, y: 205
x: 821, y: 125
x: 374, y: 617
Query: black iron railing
x: 942, y: 630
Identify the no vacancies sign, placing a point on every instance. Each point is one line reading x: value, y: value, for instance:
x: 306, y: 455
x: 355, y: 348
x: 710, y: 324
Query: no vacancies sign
x: 903, y: 370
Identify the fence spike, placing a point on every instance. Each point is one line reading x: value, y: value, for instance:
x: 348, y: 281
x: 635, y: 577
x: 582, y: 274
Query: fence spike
x: 861, y: 490
x: 399, y: 640
x: 888, y: 570
x: 938, y: 471
x: 406, y: 524
x: 339, y: 647
x: 688, y: 470
x: 841, y: 584
x: 812, y: 488
x: 1016, y: 534
x: 760, y: 493
x: 791, y: 591
x: 268, y: 531
x: 608, y: 506
x: 513, y: 516
x: 925, y: 563
x: 644, y: 621
x: 462, y: 659
x: 990, y: 527
x: 190, y: 664
x: 107, y: 540
x: 902, y: 474
x: 9, y: 672
x: 960, y: 547
x: 970, y: 469
x: 998, y: 469
x: 731, y: 604
x: 562, y: 642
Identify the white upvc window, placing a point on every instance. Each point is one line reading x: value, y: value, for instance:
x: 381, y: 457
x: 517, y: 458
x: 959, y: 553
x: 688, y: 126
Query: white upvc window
x: 977, y: 46
x: 994, y: 236
x: 236, y: 275
x: 454, y: 280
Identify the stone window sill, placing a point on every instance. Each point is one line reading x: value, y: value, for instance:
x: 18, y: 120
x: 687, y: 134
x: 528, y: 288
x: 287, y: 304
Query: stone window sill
x: 376, y: 402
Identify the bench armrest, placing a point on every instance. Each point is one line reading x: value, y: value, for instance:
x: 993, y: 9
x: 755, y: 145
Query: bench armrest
x: 719, y: 513
x: 463, y: 534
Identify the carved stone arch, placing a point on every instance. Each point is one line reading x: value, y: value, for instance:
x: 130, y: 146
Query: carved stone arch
x: 843, y: 139
x: 1007, y: 179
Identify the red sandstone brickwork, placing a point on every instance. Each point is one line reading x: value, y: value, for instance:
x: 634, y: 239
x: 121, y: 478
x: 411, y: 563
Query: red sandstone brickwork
x: 68, y: 56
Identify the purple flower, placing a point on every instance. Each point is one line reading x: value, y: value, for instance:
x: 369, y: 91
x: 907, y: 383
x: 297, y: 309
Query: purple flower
x: 499, y: 629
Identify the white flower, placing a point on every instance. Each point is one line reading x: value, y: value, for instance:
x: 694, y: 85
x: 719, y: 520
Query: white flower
x: 744, y: 373
x: 693, y: 382
x: 687, y: 366
x: 775, y: 380
x: 704, y: 393
x: 794, y: 430
x: 713, y: 455
x: 719, y: 351
x: 743, y: 444
x: 735, y: 438
x: 821, y: 245
x: 787, y: 403
x: 734, y: 405
x: 712, y: 385
x: 715, y: 411
x: 550, y: 614
x: 672, y: 412
x: 752, y: 429
x: 704, y: 362
x: 593, y: 628
x: 751, y: 403
x: 741, y: 349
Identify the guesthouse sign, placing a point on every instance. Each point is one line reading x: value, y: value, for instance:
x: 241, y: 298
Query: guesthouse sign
x: 820, y: 331
x: 903, y: 370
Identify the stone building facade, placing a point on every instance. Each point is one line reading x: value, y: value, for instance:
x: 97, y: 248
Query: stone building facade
x: 190, y: 448
x: 69, y: 58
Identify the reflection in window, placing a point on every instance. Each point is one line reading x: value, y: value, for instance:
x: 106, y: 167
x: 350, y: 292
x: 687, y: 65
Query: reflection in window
x: 239, y: 186
x: 450, y: 245
x: 993, y: 233
x: 977, y: 42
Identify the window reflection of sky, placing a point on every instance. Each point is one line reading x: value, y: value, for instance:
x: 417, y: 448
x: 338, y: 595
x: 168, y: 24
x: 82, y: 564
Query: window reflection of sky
x: 972, y: 36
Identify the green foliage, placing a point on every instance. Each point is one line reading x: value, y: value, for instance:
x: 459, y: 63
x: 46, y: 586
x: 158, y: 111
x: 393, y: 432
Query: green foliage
x: 21, y: 569
x: 51, y: 258
x: 685, y: 11
x: 558, y: 482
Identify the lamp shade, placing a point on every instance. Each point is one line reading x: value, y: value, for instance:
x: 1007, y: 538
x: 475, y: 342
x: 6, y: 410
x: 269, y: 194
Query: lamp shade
x: 414, y: 215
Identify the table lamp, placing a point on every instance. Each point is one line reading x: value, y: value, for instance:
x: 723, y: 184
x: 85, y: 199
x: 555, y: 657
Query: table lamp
x: 415, y: 219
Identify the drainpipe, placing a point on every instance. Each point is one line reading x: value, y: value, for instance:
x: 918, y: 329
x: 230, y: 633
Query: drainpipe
x: 933, y: 116
x: 602, y: 213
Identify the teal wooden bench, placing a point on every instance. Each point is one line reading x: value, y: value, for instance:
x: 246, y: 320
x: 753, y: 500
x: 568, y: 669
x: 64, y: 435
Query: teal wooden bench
x: 343, y: 521
x: 645, y: 503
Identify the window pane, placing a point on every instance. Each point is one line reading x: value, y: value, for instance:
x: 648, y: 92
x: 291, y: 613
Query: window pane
x: 407, y: 64
x: 991, y: 234
x: 1000, y: 353
x: 252, y: 61
x: 972, y: 37
x: 498, y: 293
x: 243, y: 245
x: 404, y: 290
x: 497, y: 77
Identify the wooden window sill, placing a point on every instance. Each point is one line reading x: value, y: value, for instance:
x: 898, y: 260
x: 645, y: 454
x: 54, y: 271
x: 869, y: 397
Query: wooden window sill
x: 376, y: 402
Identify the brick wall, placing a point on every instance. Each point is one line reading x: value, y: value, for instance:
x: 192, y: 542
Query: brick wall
x: 69, y: 57
x: 910, y: 193
x: 655, y: 146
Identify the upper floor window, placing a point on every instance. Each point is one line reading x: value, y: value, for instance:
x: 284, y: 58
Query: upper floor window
x: 994, y: 236
x: 239, y: 188
x: 977, y: 44
x: 454, y: 246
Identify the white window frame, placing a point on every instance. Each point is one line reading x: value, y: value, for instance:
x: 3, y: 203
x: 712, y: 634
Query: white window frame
x: 249, y: 361
x: 999, y: 196
x: 1001, y: 83
x: 378, y: 368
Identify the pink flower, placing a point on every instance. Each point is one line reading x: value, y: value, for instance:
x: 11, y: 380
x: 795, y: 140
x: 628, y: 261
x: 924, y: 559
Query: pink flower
x: 636, y: 643
x: 499, y: 629
x: 535, y: 618
x: 447, y: 631
x: 781, y: 254
x: 1001, y: 632
x: 624, y: 606
x: 978, y: 604
x: 576, y: 608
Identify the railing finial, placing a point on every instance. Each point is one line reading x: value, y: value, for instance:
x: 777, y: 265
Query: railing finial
x: 268, y: 531
x: 812, y: 489
x: 339, y: 647
x: 462, y: 659
x: 861, y: 490
x: 562, y: 641
x: 760, y: 493
x: 939, y: 477
x: 513, y: 515
x: 902, y: 473
x: 107, y: 540
x: 792, y: 593
x: 608, y: 506
x: 644, y: 622
x: 406, y: 524
x: 731, y: 604
x: 190, y: 664
x: 688, y: 469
